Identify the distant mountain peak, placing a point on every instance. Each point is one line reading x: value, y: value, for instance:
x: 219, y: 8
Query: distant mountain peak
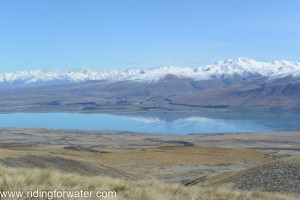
x: 246, y: 68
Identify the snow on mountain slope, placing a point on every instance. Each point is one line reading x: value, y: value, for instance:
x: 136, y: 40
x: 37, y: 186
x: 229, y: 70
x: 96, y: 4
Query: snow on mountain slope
x: 249, y: 68
x: 227, y: 69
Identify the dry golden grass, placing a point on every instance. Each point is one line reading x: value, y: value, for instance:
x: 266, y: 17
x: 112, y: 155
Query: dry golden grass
x: 136, y: 161
x: 155, y: 156
x: 9, y: 153
x: 164, y: 155
x: 176, y: 155
x: 27, y: 179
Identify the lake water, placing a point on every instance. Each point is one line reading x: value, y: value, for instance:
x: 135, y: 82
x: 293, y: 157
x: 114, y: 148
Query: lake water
x: 162, y: 122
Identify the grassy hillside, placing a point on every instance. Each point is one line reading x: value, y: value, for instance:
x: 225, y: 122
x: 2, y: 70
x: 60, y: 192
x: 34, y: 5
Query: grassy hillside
x: 27, y: 179
x: 230, y: 167
x: 282, y: 175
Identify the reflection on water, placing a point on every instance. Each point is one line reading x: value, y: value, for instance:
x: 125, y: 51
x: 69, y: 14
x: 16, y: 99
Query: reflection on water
x: 159, y: 122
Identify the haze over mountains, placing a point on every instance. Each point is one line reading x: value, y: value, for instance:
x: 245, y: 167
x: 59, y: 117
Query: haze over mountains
x: 241, y: 84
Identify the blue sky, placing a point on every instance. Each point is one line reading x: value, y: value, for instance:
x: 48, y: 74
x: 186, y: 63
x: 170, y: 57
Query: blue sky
x: 105, y: 34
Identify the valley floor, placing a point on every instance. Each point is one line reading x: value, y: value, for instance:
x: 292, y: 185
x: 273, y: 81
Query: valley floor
x: 178, y: 162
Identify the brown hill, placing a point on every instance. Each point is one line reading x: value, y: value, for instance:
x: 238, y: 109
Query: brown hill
x: 276, y: 176
x: 63, y: 165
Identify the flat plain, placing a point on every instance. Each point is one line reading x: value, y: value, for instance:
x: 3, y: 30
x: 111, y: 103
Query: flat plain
x: 185, y: 159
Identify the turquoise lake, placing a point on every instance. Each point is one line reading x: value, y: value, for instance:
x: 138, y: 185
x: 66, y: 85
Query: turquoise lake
x: 158, y: 122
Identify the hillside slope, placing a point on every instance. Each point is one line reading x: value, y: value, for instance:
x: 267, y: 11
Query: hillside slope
x: 281, y: 175
x: 49, y: 180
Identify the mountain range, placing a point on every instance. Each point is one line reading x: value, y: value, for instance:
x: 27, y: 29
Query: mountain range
x: 226, y: 70
x: 240, y: 84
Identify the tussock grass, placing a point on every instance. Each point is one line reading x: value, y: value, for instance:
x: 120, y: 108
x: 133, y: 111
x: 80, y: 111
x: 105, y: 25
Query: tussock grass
x: 27, y: 179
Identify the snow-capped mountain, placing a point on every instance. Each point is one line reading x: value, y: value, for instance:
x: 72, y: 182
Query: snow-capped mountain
x: 241, y: 84
x: 249, y: 68
x: 230, y: 69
